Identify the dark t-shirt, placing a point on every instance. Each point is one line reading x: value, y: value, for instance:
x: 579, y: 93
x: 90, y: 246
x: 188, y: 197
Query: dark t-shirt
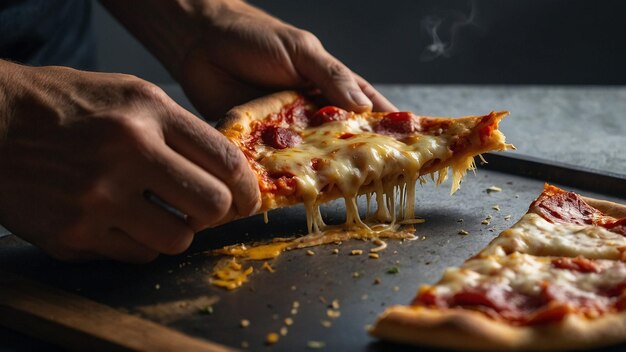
x: 47, y: 32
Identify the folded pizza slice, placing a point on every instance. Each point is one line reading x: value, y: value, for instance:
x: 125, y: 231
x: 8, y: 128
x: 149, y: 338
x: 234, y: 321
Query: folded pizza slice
x: 554, y: 281
x: 303, y: 153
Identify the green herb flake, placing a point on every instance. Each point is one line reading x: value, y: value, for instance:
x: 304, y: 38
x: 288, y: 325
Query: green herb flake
x: 393, y: 270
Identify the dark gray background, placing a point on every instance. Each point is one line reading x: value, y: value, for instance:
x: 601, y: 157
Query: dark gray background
x: 480, y: 41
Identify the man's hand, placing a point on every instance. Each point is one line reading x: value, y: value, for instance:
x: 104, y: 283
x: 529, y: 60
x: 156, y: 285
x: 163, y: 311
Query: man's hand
x: 80, y: 151
x: 229, y: 52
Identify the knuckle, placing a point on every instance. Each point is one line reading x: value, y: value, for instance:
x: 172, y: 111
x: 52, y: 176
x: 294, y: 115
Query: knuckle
x: 221, y: 199
x: 125, y: 131
x: 137, y: 87
x: 337, y: 71
x: 96, y: 197
x: 307, y: 40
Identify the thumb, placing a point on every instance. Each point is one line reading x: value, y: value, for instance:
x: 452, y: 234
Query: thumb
x: 336, y: 81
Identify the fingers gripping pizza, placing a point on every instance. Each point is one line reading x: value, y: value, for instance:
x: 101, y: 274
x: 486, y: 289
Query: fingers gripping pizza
x: 556, y: 280
x: 302, y: 153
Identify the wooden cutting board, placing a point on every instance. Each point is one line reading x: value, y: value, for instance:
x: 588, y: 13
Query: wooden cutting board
x: 77, y: 323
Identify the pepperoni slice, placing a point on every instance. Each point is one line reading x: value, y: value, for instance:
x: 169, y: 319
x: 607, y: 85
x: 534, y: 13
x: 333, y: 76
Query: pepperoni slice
x: 558, y: 206
x: 328, y: 114
x: 618, y: 226
x: 346, y: 135
x: 285, y: 183
x: 316, y: 163
x: 398, y: 122
x: 280, y: 137
x: 579, y: 263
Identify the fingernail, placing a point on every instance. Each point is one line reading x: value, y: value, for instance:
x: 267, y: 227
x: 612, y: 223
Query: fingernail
x: 360, y: 99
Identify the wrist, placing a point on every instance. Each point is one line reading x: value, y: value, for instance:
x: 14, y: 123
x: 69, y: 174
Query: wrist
x: 9, y: 84
x: 170, y: 29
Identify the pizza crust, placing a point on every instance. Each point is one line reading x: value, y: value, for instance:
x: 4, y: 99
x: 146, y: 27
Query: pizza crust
x: 239, y: 119
x: 609, y: 208
x: 472, y: 331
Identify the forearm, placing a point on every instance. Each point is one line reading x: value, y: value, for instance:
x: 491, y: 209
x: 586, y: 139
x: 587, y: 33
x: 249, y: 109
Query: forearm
x: 8, y: 72
x: 170, y: 28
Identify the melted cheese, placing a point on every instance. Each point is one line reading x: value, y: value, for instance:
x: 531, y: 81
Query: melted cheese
x: 535, y: 235
x: 367, y: 159
x: 230, y: 273
x: 526, y: 274
x: 333, y: 234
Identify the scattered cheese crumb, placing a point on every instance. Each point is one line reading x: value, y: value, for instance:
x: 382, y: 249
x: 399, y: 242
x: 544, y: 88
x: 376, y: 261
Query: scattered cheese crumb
x: 463, y: 232
x: 412, y: 221
x: 364, y: 296
x: 335, y: 251
x: 295, y: 304
x: 268, y: 267
x: 485, y: 222
x: 157, y: 287
x: 293, y: 288
x: 283, y: 331
x: 333, y: 314
x: 294, y: 311
x: 315, y: 345
x: 356, y: 252
x: 423, y: 238
x: 326, y: 323
x: 507, y: 217
x: 310, y: 252
x: 288, y: 321
x: 271, y: 338
x: 493, y: 189
x: 335, y: 304
x: 373, y: 255
x: 396, y: 288
x: 496, y: 207
x: 356, y: 274
x: 381, y: 245
x: 244, y: 323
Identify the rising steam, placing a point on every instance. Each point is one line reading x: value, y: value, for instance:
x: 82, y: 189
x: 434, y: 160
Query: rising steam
x: 442, y: 29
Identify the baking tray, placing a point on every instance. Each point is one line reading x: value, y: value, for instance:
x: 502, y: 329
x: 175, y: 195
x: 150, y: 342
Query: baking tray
x: 314, y: 281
